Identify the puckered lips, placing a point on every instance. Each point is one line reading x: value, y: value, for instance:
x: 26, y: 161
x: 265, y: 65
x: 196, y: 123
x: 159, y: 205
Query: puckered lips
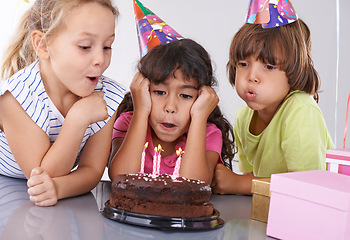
x: 250, y: 94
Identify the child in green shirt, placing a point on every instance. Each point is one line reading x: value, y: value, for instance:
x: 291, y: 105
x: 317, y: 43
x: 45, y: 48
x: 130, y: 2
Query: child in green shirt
x: 281, y: 129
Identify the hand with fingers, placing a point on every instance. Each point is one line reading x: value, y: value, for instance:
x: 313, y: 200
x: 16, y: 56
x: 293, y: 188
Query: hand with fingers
x: 141, y: 98
x: 42, y: 190
x: 90, y: 109
x: 227, y: 182
x: 206, y: 102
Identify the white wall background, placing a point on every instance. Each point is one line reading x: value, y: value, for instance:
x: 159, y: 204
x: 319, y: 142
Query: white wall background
x: 213, y: 23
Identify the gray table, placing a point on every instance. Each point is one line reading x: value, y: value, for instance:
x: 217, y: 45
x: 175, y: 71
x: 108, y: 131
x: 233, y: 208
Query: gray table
x: 80, y: 218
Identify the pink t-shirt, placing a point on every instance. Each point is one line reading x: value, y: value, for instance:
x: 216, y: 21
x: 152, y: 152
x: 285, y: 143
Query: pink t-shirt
x: 213, y: 143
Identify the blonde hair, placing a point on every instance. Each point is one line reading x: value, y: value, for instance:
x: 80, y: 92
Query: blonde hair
x: 292, y: 42
x: 46, y: 16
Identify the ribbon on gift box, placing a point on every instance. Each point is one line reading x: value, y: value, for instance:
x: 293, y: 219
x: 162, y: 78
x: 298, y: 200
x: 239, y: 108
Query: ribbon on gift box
x: 346, y: 121
x: 338, y: 160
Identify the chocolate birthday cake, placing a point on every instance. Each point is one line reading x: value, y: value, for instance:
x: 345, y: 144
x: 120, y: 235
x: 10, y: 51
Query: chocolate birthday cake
x: 161, y: 195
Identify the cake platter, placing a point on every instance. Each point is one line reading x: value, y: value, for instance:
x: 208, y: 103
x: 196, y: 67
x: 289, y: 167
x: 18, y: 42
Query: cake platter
x: 164, y: 223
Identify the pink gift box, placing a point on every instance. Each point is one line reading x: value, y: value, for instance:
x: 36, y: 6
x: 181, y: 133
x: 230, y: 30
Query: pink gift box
x: 309, y: 205
x: 338, y: 160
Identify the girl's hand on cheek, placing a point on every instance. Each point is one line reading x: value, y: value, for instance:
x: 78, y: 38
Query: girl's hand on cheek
x: 42, y: 190
x: 206, y: 102
x: 140, y: 93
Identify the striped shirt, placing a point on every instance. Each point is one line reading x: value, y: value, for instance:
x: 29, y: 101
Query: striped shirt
x: 27, y: 87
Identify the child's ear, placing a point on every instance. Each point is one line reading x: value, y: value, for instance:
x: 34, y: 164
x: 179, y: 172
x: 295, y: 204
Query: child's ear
x: 39, y: 44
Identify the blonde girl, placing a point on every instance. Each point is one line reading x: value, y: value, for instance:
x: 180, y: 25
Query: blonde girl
x: 55, y: 104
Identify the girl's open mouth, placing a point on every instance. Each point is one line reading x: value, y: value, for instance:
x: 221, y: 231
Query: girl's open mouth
x: 92, y: 78
x: 168, y: 125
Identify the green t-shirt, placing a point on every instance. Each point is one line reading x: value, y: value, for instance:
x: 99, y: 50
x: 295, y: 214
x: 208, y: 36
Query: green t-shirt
x: 296, y: 139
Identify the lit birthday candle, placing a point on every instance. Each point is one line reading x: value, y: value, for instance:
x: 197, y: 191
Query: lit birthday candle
x: 179, y: 153
x: 159, y: 158
x: 143, y: 159
x: 155, y: 159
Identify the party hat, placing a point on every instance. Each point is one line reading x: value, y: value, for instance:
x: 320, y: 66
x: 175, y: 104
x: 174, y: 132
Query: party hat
x: 151, y: 30
x: 271, y: 13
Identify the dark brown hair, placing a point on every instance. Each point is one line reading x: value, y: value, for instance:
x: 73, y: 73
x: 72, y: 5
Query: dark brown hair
x: 195, y: 63
x: 291, y: 43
